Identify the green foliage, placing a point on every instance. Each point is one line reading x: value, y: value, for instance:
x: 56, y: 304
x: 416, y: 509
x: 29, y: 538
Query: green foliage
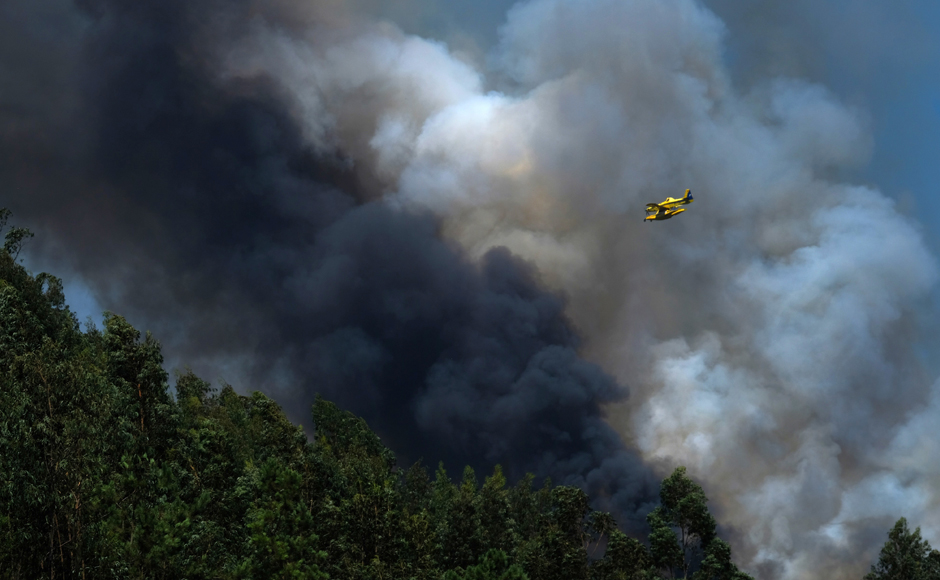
x: 681, y: 528
x: 342, y: 433
x: 682, y: 532
x: 104, y: 474
x: 557, y: 548
x: 906, y: 556
x: 717, y: 564
x: 13, y: 241
x: 626, y: 559
x: 282, y: 543
x: 494, y: 565
x: 665, y: 549
x: 684, y: 506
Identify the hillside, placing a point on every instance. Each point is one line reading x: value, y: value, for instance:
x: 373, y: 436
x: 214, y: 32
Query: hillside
x: 106, y: 474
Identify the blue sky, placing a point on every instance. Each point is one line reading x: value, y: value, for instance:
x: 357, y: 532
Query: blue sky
x: 882, y: 57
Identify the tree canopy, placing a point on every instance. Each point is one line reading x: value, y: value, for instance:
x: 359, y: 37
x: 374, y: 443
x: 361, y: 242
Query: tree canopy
x: 104, y: 473
x: 906, y: 556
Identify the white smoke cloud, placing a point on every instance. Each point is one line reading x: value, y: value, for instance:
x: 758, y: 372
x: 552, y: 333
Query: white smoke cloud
x: 766, y: 334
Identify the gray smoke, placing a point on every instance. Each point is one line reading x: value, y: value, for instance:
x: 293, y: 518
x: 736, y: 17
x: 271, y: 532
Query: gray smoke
x: 324, y: 202
x: 768, y: 334
x: 193, y: 190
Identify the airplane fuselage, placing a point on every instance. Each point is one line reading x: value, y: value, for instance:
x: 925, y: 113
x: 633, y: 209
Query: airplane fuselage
x: 664, y: 215
x: 668, y: 208
x: 672, y: 202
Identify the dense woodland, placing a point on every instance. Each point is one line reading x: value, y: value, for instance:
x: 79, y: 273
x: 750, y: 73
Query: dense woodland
x: 105, y: 474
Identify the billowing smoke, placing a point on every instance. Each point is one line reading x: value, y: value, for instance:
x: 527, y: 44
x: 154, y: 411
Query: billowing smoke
x: 305, y: 200
x: 239, y: 220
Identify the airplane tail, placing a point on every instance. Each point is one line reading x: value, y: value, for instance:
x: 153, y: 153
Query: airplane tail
x: 688, y: 195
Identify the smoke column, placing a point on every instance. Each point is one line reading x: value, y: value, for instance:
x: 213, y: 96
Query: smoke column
x: 302, y: 199
x: 197, y: 191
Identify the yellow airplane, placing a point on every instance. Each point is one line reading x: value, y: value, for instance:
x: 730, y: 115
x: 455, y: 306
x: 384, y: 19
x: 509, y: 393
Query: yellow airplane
x: 668, y: 208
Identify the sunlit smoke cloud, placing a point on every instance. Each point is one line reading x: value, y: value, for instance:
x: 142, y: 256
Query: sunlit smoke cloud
x: 229, y: 194
x: 768, y: 333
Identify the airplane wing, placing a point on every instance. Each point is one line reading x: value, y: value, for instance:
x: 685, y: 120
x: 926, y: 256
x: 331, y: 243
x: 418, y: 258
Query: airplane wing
x: 652, y: 206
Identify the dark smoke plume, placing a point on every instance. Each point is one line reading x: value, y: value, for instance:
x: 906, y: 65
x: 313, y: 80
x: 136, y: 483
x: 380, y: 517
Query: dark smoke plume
x: 194, y: 202
x: 297, y: 198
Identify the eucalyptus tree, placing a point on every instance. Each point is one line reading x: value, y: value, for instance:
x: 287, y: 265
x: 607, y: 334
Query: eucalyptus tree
x: 906, y: 555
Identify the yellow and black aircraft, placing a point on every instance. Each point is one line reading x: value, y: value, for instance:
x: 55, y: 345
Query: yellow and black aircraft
x: 668, y: 208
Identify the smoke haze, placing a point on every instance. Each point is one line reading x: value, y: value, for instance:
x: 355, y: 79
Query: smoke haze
x: 303, y: 198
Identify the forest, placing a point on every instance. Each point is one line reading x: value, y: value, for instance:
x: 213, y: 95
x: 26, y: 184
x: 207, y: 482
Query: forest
x: 107, y: 472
